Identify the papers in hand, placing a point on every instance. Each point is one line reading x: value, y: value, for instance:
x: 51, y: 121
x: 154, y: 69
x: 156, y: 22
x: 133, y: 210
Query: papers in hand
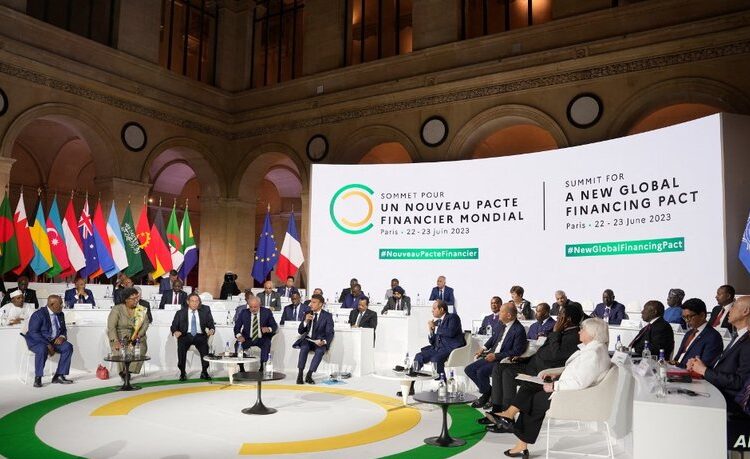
x: 314, y: 341
x: 551, y: 374
x: 531, y: 379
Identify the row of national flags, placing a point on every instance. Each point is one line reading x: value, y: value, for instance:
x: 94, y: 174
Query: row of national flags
x: 267, y: 257
x: 92, y: 245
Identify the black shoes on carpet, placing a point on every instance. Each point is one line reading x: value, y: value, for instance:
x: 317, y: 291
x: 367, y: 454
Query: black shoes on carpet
x: 38, y: 381
x: 61, y: 379
x: 183, y: 377
x: 524, y: 454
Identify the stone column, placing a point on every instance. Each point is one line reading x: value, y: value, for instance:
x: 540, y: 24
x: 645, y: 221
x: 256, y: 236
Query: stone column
x: 235, y: 38
x: 138, y: 27
x: 323, y: 41
x: 5, y: 166
x: 122, y: 191
x: 435, y: 22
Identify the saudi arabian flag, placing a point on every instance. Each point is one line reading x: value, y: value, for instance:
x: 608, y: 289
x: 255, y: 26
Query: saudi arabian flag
x: 8, y: 247
x: 132, y: 245
x: 174, y: 242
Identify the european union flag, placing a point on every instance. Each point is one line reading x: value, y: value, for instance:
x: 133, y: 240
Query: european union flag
x: 266, y: 254
x: 745, y: 246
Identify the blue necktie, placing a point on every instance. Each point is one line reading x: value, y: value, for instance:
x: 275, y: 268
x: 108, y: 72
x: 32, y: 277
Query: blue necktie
x: 193, y: 326
x: 55, y: 326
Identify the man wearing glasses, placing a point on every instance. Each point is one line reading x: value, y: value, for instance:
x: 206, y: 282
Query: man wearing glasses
x: 701, y: 340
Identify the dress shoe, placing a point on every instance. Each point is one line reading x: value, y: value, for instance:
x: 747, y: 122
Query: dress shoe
x: 38, y: 381
x: 309, y: 379
x: 481, y: 401
x: 494, y: 428
x: 524, y: 454
x: 122, y: 375
x: 506, y: 423
x: 205, y: 376
x: 183, y: 377
x: 61, y: 379
x: 485, y: 421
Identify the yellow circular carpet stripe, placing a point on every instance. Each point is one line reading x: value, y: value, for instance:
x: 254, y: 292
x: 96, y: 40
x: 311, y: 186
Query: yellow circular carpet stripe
x: 398, y: 419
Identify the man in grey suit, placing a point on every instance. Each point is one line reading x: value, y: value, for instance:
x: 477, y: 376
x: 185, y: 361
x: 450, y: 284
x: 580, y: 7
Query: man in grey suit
x: 398, y: 302
x: 269, y: 298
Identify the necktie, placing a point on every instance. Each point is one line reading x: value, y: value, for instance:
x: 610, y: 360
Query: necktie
x: 398, y: 305
x: 314, y: 323
x: 268, y: 300
x: 717, y: 320
x: 55, y: 326
x: 640, y: 333
x: 359, y: 317
x: 255, y: 327
x: 80, y: 298
x: 729, y: 346
x: 294, y: 312
x: 286, y: 292
x: 194, y: 325
x: 685, y: 344
x: 441, y: 294
x: 174, y: 298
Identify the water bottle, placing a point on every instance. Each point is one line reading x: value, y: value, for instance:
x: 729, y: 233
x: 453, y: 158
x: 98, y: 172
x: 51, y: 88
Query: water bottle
x: 137, y: 348
x: 407, y: 363
x: 452, y: 386
x: 227, y: 350
x: 646, y: 355
x: 240, y: 350
x: 269, y: 366
x: 123, y: 347
x: 3, y: 319
x: 618, y: 344
x: 442, y: 392
x: 109, y: 292
x: 419, y: 300
x: 229, y: 317
x: 488, y: 331
x: 661, y: 376
x: 335, y: 297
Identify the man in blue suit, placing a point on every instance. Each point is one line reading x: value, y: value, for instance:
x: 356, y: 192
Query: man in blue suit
x: 609, y: 309
x: 47, y: 335
x: 79, y: 294
x: 351, y: 300
x: 508, y: 341
x: 544, y: 322
x: 446, y: 334
x: 255, y: 327
x: 317, y: 334
x: 295, y: 311
x: 732, y: 368
x: 287, y: 290
x: 492, y: 320
x: 701, y: 340
x: 165, y: 283
x: 443, y: 292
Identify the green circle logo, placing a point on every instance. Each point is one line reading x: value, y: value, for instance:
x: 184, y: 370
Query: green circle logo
x: 358, y: 202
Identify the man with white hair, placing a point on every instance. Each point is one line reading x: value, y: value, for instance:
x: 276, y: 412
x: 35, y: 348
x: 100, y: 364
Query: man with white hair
x: 561, y: 299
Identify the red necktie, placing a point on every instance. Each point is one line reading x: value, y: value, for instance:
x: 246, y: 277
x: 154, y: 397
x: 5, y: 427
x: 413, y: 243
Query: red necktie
x: 717, y: 320
x: 640, y: 333
x: 685, y: 344
x: 175, y: 299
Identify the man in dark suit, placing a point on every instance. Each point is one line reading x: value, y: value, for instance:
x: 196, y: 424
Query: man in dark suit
x: 492, y: 320
x: 544, y: 323
x: 255, y: 327
x: 347, y: 291
x: 316, y: 291
x: 47, y: 334
x: 268, y: 298
x: 561, y: 299
x: 446, y: 334
x: 174, y: 296
x: 509, y: 340
x: 610, y: 310
x: 701, y: 340
x: 124, y: 282
x: 522, y: 306
x: 238, y: 310
x: 720, y: 312
x: 29, y: 295
x: 657, y: 331
x: 398, y: 301
x: 192, y: 326
x: 363, y: 317
x: 732, y: 368
x: 295, y: 311
x: 351, y: 300
x: 317, y: 335
x: 443, y: 292
x: 287, y: 290
x: 79, y: 294
x: 166, y: 283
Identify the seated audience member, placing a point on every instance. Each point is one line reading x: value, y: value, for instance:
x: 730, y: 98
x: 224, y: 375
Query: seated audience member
x: 492, y: 320
x: 363, y: 317
x: 544, y: 323
x: 701, y: 340
x: 47, y: 335
x: 29, y: 295
x: 445, y: 334
x: 166, y: 283
x: 79, y: 294
x: 585, y: 368
x: 192, y: 326
x: 124, y: 282
x: 316, y: 336
x: 15, y: 312
x: 316, y: 291
x: 126, y: 323
x: 610, y: 309
x: 673, y: 314
x: 255, y: 327
x: 720, y: 312
x: 561, y: 299
x: 268, y: 298
x: 398, y: 302
x: 287, y: 289
x: 294, y: 311
x: 557, y: 348
x: 347, y: 291
x: 732, y: 368
x: 144, y: 303
x: 523, y: 306
x: 508, y: 340
x: 657, y: 332
x: 389, y: 292
x: 175, y: 296
x: 229, y: 286
x: 242, y: 307
x: 443, y: 292
x: 352, y: 299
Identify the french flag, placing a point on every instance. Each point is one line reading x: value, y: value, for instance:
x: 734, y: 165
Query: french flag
x: 291, y: 257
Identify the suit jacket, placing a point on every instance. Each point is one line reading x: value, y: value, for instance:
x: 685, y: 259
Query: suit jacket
x: 288, y: 313
x: 350, y: 301
x: 732, y: 369
x: 244, y: 321
x: 491, y: 320
x: 165, y: 285
x: 514, y: 344
x: 538, y: 329
x: 71, y: 298
x: 166, y: 298
x: 323, y: 329
x: 707, y: 346
x: 555, y: 351
x: 369, y: 318
x: 40, y: 328
x: 181, y: 321
x: 724, y: 320
x: 448, y: 335
x: 391, y: 304
x: 29, y: 296
x: 447, y: 295
x: 344, y: 292
x: 555, y: 308
x: 659, y: 336
x: 274, y: 302
x: 526, y: 312
x: 282, y: 290
x: 616, y: 312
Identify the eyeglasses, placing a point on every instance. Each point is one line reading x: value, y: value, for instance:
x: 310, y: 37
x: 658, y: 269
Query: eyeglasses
x: 688, y: 317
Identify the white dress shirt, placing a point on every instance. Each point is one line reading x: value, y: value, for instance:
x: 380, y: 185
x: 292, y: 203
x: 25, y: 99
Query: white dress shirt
x: 502, y: 338
x: 197, y: 321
